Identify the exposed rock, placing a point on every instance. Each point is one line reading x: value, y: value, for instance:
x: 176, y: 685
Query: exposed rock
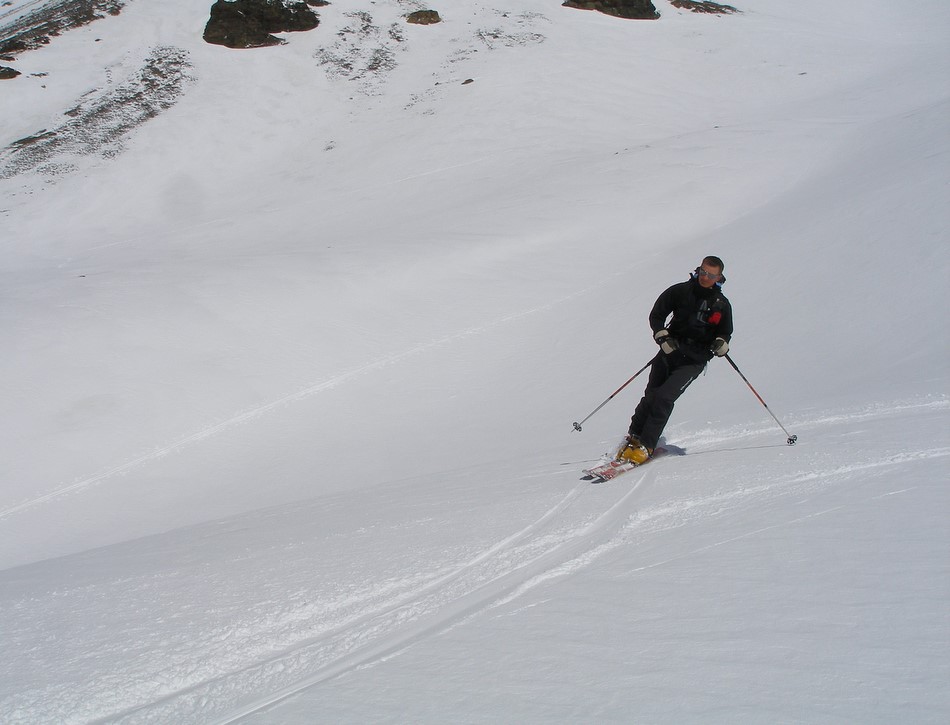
x: 631, y: 9
x: 423, y: 17
x: 250, y: 23
x: 6, y: 73
x: 35, y: 28
x: 102, y: 120
x: 701, y: 6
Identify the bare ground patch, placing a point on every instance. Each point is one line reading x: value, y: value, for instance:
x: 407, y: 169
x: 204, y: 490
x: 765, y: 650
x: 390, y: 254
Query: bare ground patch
x: 36, y: 28
x: 101, y: 120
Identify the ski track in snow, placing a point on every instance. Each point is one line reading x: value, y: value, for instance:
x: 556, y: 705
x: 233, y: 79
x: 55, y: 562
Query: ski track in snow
x: 222, y: 661
x: 723, y: 542
x: 677, y: 513
x: 256, y: 412
x: 552, y: 543
x: 190, y: 686
x: 699, y: 438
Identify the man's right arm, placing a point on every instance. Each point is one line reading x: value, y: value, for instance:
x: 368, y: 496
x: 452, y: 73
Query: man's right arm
x: 662, y: 309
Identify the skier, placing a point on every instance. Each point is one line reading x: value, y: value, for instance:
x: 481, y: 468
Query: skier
x: 701, y: 327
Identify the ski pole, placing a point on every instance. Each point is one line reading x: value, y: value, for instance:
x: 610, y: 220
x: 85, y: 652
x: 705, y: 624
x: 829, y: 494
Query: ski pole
x: 577, y: 426
x: 791, y: 439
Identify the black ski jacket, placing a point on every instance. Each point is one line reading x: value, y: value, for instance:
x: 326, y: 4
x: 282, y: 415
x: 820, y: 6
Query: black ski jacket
x: 700, y: 315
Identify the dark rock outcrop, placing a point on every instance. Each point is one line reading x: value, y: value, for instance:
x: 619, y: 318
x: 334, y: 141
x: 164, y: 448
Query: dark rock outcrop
x: 6, y: 73
x: 702, y: 6
x: 102, y: 120
x: 250, y: 23
x: 39, y: 26
x: 424, y: 17
x: 631, y: 9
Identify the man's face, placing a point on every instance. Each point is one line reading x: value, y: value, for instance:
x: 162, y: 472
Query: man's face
x: 708, y: 275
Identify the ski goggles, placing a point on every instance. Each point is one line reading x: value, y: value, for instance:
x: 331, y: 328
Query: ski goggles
x: 700, y: 272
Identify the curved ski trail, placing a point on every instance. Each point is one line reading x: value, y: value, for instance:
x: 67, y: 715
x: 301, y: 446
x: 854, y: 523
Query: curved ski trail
x: 550, y: 545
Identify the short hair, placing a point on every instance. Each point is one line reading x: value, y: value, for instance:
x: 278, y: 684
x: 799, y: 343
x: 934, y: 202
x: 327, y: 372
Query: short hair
x: 714, y: 262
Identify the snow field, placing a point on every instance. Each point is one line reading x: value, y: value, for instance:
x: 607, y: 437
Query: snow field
x: 288, y: 382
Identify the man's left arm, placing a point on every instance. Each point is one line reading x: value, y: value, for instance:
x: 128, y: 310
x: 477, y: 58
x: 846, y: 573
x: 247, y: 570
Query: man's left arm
x: 720, y: 345
x: 724, y: 328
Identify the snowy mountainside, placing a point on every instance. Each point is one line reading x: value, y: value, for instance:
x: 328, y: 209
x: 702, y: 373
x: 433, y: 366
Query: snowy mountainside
x: 290, y: 366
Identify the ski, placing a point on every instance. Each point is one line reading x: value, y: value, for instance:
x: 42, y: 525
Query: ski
x: 613, y: 468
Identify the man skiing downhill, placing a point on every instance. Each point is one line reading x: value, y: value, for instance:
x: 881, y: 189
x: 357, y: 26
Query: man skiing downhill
x: 701, y: 327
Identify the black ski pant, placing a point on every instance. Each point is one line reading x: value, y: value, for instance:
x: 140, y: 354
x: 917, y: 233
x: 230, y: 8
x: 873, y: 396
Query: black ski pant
x: 670, y: 375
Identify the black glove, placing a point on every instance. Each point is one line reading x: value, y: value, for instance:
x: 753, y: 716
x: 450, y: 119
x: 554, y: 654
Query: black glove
x: 719, y: 347
x: 667, y: 344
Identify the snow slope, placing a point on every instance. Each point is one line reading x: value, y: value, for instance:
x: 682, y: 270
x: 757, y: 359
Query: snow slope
x: 289, y: 370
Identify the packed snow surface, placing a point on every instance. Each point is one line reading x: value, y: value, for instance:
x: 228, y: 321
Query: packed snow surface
x: 294, y: 337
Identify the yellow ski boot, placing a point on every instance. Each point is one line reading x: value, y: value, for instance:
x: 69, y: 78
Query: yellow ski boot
x: 634, y: 451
